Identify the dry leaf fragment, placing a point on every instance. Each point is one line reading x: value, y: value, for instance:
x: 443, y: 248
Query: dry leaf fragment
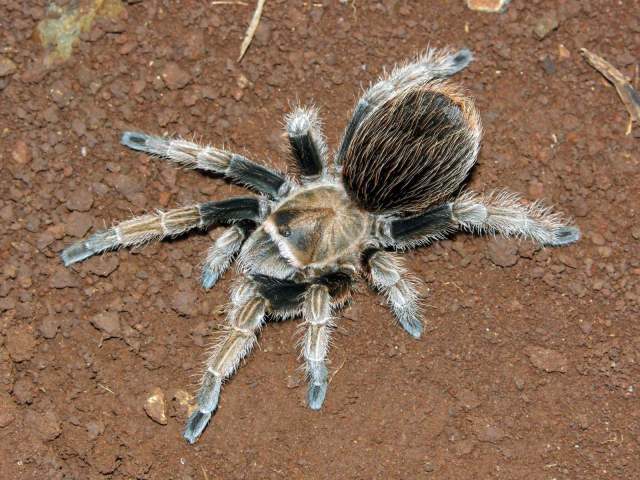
x: 629, y: 95
x: 248, y: 36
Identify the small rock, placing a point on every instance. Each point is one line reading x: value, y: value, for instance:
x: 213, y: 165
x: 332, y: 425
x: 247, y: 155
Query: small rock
x: 546, y: 359
x: 519, y: 382
x: 95, y: 429
x: 104, y: 265
x: 46, y: 424
x: 545, y: 25
x: 105, y: 455
x: 7, y: 67
x: 80, y: 200
x: 489, y: 433
x: 492, y: 6
x: 503, y: 252
x: 568, y: 260
x: 23, y: 390
x: 585, y: 326
x: 185, y: 402
x: 128, y: 186
x: 486, y: 430
x: 21, y: 152
x: 6, y: 417
x: 563, y: 52
x: 43, y: 240
x: 548, y: 65
x: 20, y: 343
x: 468, y: 399
x: 78, y: 224
x: 184, y: 302
x: 583, y: 421
x: 155, y: 406
x: 63, y: 278
x: 49, y: 326
x: 295, y: 380
x: 429, y: 467
x: 597, y: 239
x: 108, y: 323
x: 195, y: 45
x: 174, y: 76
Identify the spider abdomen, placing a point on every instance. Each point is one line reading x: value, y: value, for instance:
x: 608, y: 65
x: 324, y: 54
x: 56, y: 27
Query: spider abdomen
x: 413, y: 150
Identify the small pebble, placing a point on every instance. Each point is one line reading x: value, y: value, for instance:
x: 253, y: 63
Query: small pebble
x: 174, y: 76
x: 491, y: 6
x: 7, y: 67
x: 503, y: 252
x: 108, y: 323
x: 78, y: 224
x: 20, y: 342
x: 49, y: 326
x: 80, y: 200
x: 546, y: 24
x: 155, y: 406
x: 547, y: 359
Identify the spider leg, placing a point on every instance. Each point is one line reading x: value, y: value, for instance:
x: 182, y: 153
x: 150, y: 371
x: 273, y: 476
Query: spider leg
x: 389, y: 277
x: 506, y: 214
x: 316, y: 312
x: 142, y: 229
x: 244, y: 319
x: 495, y: 213
x: 433, y: 64
x: 191, y: 155
x: 221, y: 254
x: 307, y: 142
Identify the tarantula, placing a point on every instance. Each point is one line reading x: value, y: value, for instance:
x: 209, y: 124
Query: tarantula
x: 395, y: 184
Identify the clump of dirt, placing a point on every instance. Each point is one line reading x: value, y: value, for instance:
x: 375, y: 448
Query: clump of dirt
x: 529, y: 366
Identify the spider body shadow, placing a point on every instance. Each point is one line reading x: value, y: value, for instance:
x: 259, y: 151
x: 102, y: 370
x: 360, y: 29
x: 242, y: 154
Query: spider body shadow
x: 395, y: 183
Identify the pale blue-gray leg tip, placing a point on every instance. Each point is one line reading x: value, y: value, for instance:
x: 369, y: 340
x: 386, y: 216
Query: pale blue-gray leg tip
x: 75, y: 253
x: 413, y: 328
x: 409, y: 318
x: 208, y: 279
x: 565, y: 236
x: 196, y: 423
x: 135, y: 140
x: 462, y: 59
x: 317, y: 384
x: 316, y: 394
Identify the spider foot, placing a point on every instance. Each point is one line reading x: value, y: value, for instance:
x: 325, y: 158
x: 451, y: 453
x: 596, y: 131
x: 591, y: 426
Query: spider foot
x: 207, y: 400
x: 410, y: 320
x: 84, y: 249
x: 461, y: 60
x: 317, y: 385
x: 565, y: 236
x: 196, y: 424
x: 316, y: 394
x: 209, y: 278
x: 135, y: 141
x: 75, y: 253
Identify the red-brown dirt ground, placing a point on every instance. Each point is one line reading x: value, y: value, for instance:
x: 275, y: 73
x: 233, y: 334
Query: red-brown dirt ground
x: 528, y: 368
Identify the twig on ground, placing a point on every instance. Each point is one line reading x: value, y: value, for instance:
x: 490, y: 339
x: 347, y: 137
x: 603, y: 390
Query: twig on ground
x: 230, y: 2
x: 251, y: 30
x: 629, y: 95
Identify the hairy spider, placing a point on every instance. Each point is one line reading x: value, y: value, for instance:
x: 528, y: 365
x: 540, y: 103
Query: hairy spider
x: 395, y: 183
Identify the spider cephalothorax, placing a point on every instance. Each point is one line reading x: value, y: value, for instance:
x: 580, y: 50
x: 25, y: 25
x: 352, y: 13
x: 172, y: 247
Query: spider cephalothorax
x: 395, y: 183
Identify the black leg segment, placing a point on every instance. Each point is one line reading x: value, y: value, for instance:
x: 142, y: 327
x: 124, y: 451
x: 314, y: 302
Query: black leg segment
x: 306, y: 154
x: 240, y: 208
x: 256, y: 176
x: 433, y: 222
